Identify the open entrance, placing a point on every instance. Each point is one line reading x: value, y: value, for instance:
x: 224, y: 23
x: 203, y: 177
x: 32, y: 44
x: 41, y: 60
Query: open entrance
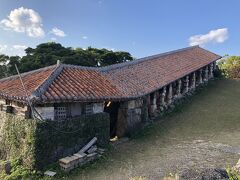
x: 112, y: 109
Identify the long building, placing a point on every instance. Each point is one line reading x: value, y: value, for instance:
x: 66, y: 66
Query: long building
x: 130, y: 92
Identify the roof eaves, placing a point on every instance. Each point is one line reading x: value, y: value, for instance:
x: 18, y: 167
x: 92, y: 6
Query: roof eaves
x: 25, y: 74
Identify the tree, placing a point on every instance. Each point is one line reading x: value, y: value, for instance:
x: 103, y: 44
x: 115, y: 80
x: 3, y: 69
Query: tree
x: 3, y: 65
x: 230, y: 66
x: 47, y: 54
x: 13, y: 60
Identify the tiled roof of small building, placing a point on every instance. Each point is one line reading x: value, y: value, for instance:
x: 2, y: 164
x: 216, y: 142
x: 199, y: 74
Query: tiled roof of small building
x: 11, y: 88
x: 78, y: 83
x: 67, y: 83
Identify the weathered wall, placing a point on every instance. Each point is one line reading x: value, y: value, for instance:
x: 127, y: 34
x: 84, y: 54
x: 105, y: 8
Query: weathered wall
x: 40, y: 143
x: 55, y: 140
x: 131, y: 115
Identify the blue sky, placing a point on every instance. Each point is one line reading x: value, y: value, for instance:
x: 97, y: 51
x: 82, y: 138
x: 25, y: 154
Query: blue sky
x: 143, y: 28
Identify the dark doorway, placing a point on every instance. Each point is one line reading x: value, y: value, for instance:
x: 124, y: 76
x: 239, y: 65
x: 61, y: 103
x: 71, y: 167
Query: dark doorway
x: 112, y: 109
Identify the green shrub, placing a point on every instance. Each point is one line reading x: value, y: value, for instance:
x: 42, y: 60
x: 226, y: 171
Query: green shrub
x: 19, y: 171
x: 232, y: 174
x: 230, y: 66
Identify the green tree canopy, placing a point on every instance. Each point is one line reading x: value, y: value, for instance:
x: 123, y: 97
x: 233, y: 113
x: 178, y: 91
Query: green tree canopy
x: 47, y: 54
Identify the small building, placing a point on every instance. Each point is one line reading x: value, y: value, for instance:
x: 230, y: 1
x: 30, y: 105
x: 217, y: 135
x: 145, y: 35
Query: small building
x: 130, y: 92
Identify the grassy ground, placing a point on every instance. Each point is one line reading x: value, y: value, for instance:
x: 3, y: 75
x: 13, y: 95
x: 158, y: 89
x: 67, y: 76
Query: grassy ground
x: 203, y: 132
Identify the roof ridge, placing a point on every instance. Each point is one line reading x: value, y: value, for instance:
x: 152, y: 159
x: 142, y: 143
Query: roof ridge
x: 25, y: 73
x: 80, y: 67
x: 41, y: 89
x: 120, y: 65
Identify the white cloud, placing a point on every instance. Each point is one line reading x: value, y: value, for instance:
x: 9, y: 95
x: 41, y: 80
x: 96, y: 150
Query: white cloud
x: 25, y: 21
x: 58, y: 32
x: 214, y: 36
x: 85, y: 37
x: 13, y: 50
x: 3, y: 47
x: 19, y: 47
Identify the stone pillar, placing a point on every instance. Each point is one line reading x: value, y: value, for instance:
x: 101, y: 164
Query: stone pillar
x: 129, y: 117
x: 179, y: 87
x: 145, y: 108
x: 169, y: 96
x: 185, y: 84
x: 205, y: 79
x: 162, y: 98
x: 153, y: 102
x: 158, y: 100
x: 193, y: 83
x: 122, y: 120
x: 200, y: 76
x: 214, y: 65
x: 211, y: 71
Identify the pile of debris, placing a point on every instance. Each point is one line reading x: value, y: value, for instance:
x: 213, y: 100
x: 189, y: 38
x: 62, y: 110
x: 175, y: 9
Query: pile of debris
x: 88, y: 153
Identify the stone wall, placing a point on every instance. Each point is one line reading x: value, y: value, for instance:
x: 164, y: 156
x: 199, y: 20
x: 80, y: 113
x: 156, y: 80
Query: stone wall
x: 130, y: 116
x: 134, y: 113
x: 41, y: 143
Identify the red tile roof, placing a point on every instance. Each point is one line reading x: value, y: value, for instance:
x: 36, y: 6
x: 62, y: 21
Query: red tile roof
x: 148, y: 74
x: 78, y: 83
x: 11, y: 88
x: 66, y: 83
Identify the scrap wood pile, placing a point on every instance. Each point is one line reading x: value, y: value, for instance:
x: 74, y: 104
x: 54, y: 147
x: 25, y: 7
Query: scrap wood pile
x: 88, y: 153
